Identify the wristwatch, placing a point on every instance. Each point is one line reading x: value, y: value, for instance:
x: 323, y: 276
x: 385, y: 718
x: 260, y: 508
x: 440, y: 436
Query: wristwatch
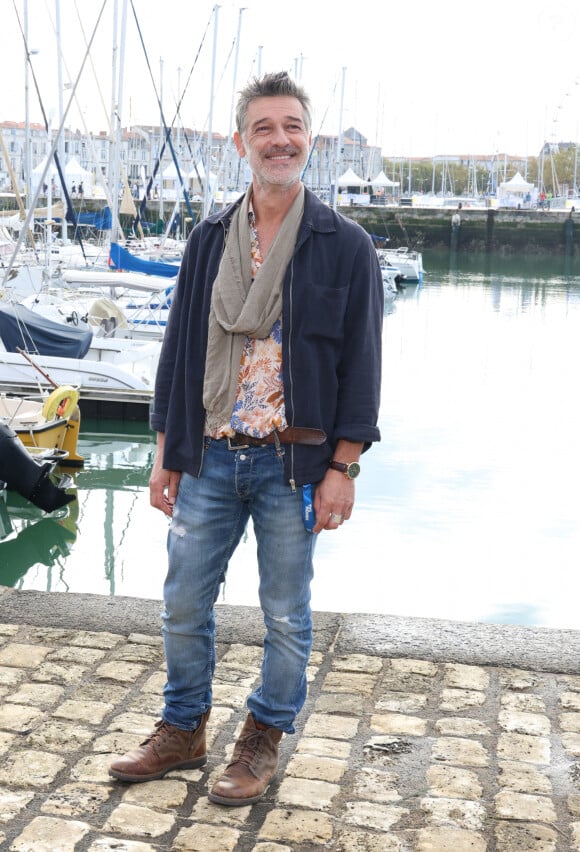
x: 350, y: 470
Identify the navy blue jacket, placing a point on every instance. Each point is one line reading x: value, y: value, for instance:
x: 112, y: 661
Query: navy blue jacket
x: 332, y: 319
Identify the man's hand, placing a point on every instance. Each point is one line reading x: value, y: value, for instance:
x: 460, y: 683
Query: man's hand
x: 333, y: 501
x: 334, y: 497
x: 163, y: 483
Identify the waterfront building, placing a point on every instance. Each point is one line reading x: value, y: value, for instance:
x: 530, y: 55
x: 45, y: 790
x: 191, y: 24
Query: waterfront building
x: 140, y: 147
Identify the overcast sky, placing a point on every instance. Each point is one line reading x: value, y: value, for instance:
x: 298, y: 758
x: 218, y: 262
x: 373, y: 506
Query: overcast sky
x: 421, y: 78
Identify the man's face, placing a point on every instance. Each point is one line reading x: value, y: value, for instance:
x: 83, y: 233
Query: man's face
x: 275, y: 140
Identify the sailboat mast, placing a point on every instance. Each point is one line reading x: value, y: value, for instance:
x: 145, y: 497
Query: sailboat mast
x: 226, y: 156
x: 207, y: 200
x: 60, y: 102
x: 339, y: 147
x: 161, y: 138
x: 27, y: 158
x: 113, y: 184
x: 118, y: 109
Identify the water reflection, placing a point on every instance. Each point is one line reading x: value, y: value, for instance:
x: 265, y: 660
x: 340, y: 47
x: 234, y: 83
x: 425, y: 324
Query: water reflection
x: 32, y: 538
x: 101, y: 542
x: 466, y: 510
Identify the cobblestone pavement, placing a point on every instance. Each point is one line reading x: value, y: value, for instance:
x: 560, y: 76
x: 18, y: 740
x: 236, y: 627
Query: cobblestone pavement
x: 394, y: 752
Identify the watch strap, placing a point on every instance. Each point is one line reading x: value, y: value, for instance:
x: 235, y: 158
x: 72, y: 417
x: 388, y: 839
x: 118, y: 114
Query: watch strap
x: 349, y: 469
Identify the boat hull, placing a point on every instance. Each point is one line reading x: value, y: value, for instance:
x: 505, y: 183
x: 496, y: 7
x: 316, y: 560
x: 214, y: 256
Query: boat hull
x: 59, y: 435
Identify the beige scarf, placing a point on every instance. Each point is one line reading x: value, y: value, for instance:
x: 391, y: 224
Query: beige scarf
x: 241, y: 307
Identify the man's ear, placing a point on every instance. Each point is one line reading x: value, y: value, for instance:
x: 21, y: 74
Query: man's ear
x: 239, y: 144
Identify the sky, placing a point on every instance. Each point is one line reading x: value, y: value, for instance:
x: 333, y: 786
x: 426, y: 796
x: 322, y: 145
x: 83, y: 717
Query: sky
x: 417, y: 78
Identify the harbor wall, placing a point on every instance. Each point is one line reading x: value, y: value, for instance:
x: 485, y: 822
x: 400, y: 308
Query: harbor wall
x: 489, y: 230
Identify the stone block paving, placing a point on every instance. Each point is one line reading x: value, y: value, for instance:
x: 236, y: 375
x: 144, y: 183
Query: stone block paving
x: 392, y: 754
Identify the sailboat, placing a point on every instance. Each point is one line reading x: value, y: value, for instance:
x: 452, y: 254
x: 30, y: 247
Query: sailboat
x: 130, y: 298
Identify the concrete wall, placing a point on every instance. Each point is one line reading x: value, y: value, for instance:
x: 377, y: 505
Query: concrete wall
x: 500, y: 231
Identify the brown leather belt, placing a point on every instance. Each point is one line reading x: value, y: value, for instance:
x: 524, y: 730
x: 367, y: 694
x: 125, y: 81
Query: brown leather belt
x: 291, y: 435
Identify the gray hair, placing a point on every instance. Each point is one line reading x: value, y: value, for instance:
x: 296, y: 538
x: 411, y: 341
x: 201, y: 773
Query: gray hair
x: 269, y: 86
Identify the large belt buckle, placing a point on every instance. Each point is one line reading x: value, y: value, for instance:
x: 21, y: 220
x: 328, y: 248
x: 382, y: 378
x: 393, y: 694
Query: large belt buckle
x: 236, y: 446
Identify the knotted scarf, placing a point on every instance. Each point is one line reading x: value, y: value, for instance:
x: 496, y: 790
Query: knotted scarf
x: 242, y: 308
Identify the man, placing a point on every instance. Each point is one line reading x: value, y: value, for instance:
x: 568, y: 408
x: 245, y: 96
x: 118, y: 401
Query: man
x: 267, y: 389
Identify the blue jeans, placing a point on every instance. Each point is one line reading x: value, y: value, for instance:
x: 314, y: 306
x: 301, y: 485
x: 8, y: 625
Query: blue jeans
x: 209, y: 518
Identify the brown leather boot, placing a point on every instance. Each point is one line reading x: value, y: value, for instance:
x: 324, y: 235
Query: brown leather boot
x: 167, y: 748
x: 253, y: 764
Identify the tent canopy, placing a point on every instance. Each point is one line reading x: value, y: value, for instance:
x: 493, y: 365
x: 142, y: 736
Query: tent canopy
x: 197, y: 183
x: 74, y: 171
x: 38, y: 170
x: 349, y: 178
x: 200, y: 169
x: 382, y: 180
x: 516, y: 184
x: 170, y: 172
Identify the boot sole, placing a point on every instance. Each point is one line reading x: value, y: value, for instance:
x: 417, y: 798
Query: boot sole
x: 235, y: 803
x: 154, y: 776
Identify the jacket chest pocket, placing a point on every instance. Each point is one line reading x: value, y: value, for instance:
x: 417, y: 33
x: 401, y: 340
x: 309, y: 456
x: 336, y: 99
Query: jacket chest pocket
x: 324, y: 316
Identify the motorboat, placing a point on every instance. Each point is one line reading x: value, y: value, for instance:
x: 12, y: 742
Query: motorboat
x: 124, y: 305
x: 49, y: 427
x: 408, y: 261
x: 109, y: 369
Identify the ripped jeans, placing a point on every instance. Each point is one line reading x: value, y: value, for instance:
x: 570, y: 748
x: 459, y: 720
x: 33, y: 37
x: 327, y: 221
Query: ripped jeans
x: 209, y: 518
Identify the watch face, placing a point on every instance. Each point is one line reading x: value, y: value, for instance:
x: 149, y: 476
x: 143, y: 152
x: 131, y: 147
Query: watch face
x: 353, y: 470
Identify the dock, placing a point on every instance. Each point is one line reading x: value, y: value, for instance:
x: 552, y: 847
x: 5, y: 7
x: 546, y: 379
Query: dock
x: 418, y: 735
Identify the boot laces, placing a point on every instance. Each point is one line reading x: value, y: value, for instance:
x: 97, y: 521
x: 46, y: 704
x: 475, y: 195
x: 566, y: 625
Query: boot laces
x: 159, y: 735
x: 250, y: 746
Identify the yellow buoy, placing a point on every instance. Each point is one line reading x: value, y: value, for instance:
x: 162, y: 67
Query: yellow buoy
x: 61, y: 403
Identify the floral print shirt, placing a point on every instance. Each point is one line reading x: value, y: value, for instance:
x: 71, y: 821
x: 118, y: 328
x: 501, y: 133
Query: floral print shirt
x: 259, y: 406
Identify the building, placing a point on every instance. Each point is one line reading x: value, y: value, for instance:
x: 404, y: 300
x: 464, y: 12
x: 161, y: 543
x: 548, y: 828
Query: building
x: 139, y: 160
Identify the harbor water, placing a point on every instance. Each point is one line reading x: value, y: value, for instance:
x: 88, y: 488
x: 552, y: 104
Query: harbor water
x: 468, y: 509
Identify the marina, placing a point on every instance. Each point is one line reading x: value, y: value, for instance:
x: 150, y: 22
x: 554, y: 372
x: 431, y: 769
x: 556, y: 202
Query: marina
x: 439, y: 698
x: 466, y: 510
x: 478, y: 356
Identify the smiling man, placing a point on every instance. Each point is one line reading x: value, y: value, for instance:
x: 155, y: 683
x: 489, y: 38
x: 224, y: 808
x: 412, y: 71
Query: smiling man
x: 267, y: 393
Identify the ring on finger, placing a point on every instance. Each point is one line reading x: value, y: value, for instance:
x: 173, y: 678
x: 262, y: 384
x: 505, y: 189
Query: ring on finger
x: 336, y: 519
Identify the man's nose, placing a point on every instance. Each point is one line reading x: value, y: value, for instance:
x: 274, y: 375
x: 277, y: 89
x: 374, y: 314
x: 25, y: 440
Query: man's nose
x: 279, y: 136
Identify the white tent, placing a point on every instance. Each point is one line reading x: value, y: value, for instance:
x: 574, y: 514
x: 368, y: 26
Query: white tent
x: 516, y: 184
x: 170, y: 172
x: 73, y: 171
x: 74, y: 174
x: 382, y: 181
x: 51, y: 171
x: 170, y: 182
x: 197, y: 178
x: 37, y: 174
x: 349, y: 178
x: 516, y: 191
